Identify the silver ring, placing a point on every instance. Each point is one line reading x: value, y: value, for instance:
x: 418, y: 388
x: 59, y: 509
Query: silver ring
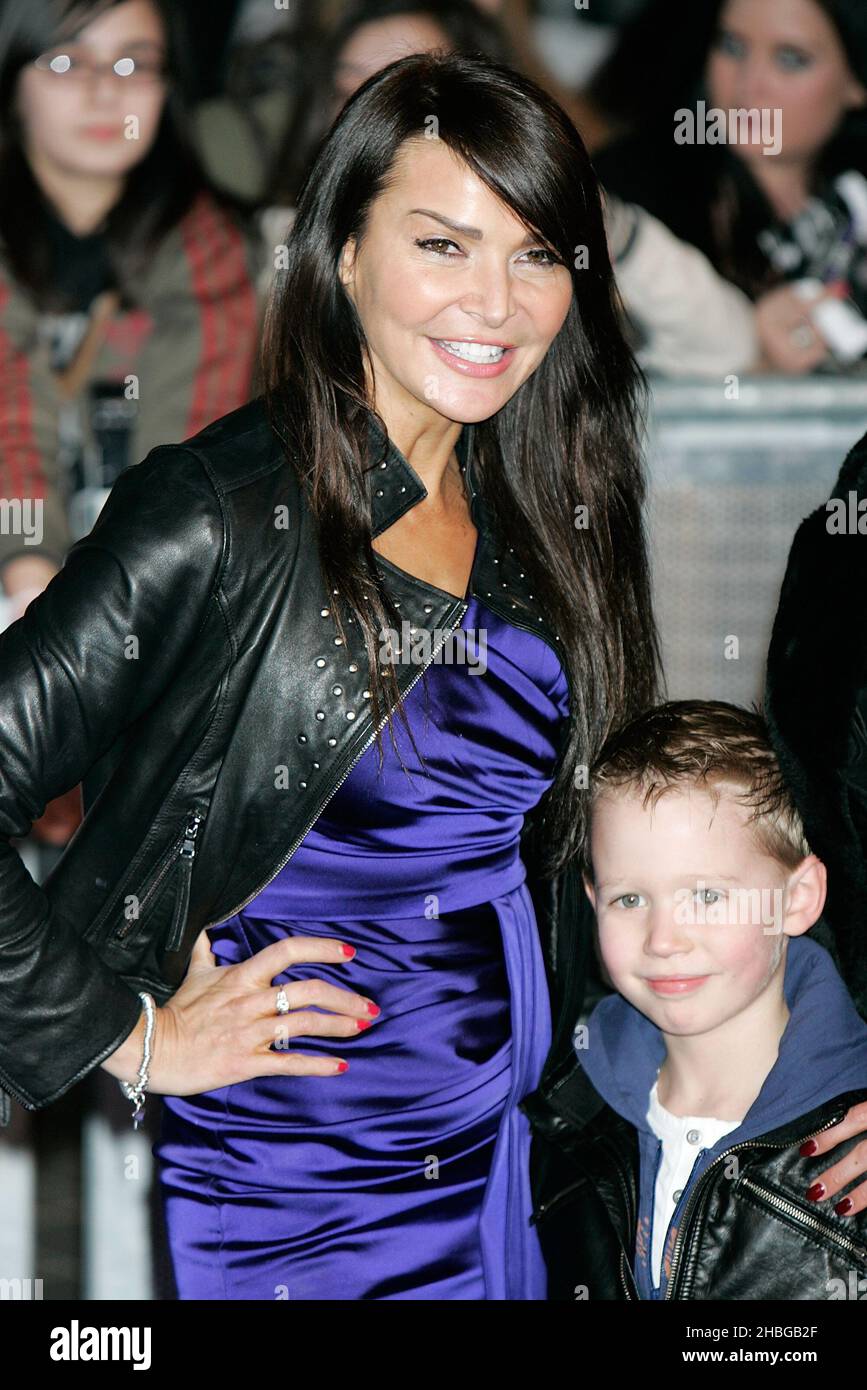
x: 282, y: 1002
x: 803, y: 335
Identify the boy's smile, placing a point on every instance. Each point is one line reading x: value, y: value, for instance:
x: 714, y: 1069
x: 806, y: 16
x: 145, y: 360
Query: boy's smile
x: 670, y: 886
x: 676, y: 984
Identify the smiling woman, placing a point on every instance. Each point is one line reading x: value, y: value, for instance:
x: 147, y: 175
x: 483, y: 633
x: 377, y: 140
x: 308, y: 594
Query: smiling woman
x: 422, y: 306
x: 448, y: 377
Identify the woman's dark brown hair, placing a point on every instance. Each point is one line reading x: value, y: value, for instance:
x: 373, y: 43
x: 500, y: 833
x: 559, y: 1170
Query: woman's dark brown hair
x: 570, y: 436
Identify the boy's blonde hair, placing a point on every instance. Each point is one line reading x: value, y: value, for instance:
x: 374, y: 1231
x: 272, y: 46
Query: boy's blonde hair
x: 712, y: 745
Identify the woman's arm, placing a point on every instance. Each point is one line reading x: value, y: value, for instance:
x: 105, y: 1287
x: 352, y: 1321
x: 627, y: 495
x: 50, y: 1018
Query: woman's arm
x: 695, y: 322
x: 90, y: 655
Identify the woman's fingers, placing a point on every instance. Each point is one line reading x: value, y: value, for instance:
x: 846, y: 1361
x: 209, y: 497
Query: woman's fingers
x: 272, y: 960
x: 306, y: 1022
x: 282, y: 1063
x: 201, y: 955
x: 302, y: 994
x: 259, y: 972
x: 827, y: 1184
x: 829, y: 1181
x: 786, y: 332
x: 222, y: 1026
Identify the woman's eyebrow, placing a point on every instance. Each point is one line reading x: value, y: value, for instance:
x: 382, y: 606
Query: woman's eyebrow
x: 447, y: 222
x: 460, y: 227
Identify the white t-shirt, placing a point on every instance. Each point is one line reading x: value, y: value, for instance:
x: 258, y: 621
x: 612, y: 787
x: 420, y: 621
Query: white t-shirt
x: 683, y: 1137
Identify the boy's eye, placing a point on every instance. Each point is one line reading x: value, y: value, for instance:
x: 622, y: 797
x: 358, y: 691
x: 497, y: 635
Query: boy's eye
x: 710, y: 896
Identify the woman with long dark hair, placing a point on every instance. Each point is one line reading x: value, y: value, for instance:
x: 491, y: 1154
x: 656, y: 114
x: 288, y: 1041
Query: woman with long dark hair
x: 128, y: 310
x: 432, y: 281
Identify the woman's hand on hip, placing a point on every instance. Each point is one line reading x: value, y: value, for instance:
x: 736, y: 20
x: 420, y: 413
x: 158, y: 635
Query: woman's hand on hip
x: 218, y: 1026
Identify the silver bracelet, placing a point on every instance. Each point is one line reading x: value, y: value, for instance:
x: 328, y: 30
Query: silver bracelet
x: 136, y: 1091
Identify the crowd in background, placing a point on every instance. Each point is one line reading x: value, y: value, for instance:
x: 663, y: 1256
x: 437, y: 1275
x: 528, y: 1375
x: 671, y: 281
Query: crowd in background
x: 134, y: 271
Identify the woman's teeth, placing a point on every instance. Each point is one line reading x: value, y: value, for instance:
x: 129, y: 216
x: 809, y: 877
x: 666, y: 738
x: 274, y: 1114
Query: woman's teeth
x: 473, y: 352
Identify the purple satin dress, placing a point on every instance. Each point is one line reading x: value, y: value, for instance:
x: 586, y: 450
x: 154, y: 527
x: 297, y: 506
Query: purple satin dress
x: 407, y: 1177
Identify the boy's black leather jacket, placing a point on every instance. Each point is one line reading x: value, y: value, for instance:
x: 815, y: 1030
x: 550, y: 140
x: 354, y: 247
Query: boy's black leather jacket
x: 183, y: 666
x: 746, y: 1232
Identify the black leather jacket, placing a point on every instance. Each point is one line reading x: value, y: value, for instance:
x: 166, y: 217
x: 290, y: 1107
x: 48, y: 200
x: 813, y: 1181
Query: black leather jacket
x: 183, y: 666
x: 750, y: 1236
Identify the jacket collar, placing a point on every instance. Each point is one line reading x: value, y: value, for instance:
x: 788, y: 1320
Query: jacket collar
x: 394, y: 484
x: 497, y: 578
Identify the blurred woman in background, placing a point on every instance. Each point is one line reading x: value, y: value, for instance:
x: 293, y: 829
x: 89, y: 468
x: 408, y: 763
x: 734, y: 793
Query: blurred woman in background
x: 766, y: 220
x: 367, y: 36
x: 128, y: 309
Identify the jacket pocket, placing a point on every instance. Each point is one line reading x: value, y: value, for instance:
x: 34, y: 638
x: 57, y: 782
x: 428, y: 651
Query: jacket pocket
x: 173, y: 869
x: 820, y: 1228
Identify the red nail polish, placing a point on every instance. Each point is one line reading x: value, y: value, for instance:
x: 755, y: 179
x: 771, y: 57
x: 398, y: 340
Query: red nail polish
x: 343, y: 1066
x: 843, y: 1208
x: 808, y: 1147
x: 363, y: 1022
x: 347, y: 950
x: 373, y: 1008
x: 816, y: 1192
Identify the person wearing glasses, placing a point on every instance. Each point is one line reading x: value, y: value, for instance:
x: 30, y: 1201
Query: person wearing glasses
x: 129, y: 310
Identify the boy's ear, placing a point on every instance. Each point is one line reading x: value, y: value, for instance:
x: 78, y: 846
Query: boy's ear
x: 807, y: 888
x: 589, y: 890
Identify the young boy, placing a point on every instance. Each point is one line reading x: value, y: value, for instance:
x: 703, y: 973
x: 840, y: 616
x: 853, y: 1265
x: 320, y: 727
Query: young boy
x: 729, y: 1041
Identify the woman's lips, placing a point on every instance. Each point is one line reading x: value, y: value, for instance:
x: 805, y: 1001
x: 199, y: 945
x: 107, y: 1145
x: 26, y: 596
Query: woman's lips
x: 684, y: 984
x: 460, y: 364
x: 100, y: 132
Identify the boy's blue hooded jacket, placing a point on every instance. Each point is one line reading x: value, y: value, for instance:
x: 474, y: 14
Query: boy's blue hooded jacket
x: 822, y: 1054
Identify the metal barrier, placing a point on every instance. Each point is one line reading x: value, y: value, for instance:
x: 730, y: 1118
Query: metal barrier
x: 731, y: 479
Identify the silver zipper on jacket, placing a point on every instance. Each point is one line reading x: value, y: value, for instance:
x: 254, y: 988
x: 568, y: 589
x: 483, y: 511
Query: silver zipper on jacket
x: 325, y: 800
x: 700, y: 1185
x: 626, y: 1288
x: 163, y: 864
x: 812, y: 1223
x: 184, y: 848
x: 187, y: 854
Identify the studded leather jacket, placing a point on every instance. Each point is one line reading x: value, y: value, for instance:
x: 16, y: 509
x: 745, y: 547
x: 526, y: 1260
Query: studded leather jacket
x: 183, y: 654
